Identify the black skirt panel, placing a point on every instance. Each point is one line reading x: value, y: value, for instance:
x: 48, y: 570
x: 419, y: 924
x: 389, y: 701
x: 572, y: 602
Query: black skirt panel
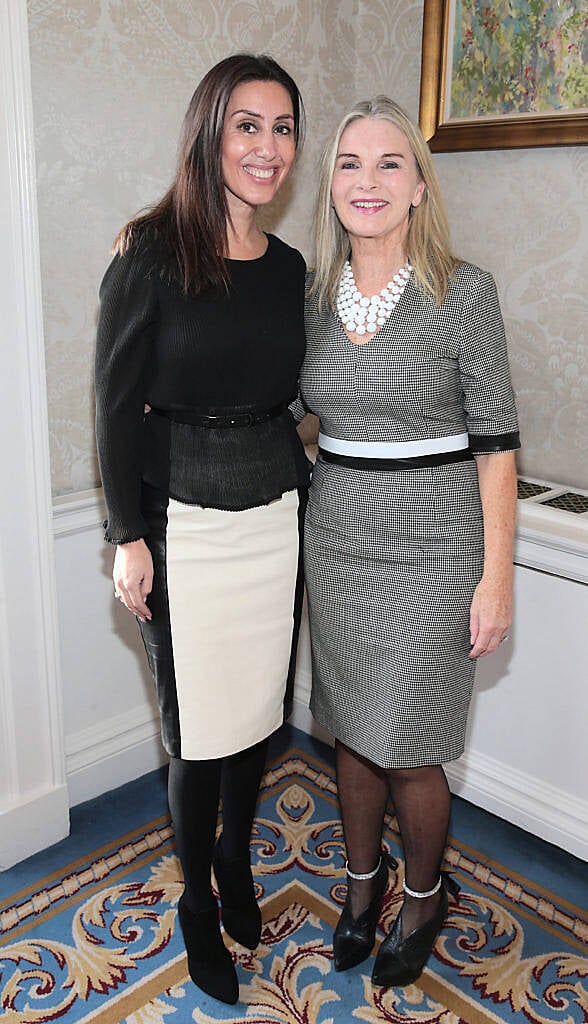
x: 156, y: 634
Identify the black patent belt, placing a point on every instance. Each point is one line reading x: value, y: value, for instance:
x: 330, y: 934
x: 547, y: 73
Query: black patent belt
x: 200, y: 418
x: 417, y: 462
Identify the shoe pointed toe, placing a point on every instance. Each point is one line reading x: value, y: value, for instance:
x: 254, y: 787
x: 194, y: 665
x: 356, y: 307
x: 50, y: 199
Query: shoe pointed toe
x: 354, y: 938
x: 401, y: 961
x: 210, y: 964
x: 244, y: 928
x: 217, y: 982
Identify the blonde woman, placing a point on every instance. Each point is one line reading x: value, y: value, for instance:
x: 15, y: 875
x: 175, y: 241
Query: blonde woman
x: 409, y: 529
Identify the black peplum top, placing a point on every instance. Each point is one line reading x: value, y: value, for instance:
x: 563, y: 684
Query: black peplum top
x: 237, y: 353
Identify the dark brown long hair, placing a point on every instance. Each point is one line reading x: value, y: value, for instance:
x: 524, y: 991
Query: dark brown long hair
x: 191, y: 219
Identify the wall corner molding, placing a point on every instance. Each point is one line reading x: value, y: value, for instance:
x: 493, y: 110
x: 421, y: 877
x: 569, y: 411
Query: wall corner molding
x: 114, y: 751
x: 530, y: 803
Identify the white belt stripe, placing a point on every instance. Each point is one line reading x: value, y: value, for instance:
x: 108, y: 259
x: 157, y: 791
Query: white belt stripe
x: 393, y: 449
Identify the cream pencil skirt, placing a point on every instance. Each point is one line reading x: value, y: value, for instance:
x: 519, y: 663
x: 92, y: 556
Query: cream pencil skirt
x: 223, y: 604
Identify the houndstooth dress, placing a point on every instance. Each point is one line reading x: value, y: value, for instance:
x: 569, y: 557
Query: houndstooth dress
x: 392, y: 558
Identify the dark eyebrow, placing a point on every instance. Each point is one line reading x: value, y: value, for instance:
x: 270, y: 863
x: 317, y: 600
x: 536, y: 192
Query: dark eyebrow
x: 254, y: 113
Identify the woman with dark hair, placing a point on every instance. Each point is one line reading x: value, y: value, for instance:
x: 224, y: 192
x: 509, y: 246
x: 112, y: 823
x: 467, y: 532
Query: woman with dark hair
x: 410, y: 522
x: 201, y: 324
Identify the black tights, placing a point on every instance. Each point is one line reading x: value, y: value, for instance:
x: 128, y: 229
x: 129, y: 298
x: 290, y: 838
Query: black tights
x: 194, y: 789
x: 422, y: 803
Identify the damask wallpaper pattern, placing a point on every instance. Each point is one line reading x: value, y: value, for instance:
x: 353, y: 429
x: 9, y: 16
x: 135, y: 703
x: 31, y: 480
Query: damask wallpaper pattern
x: 111, y: 80
x: 523, y: 214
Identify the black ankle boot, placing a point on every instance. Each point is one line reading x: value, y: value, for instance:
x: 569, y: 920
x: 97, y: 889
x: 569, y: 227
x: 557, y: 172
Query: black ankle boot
x: 401, y: 961
x: 209, y: 961
x: 354, y: 938
x: 240, y: 910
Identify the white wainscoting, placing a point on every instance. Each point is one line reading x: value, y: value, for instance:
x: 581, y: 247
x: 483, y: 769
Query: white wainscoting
x: 110, y: 715
x: 525, y: 760
x: 34, y: 808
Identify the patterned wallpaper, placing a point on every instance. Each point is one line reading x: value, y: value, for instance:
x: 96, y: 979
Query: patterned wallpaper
x: 524, y: 215
x: 111, y: 80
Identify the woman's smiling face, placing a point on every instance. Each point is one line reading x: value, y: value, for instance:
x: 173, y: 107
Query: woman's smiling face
x: 375, y: 181
x: 258, y: 145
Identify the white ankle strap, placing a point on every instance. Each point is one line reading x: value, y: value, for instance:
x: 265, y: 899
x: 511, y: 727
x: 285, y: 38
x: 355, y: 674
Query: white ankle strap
x: 363, y: 877
x: 422, y: 895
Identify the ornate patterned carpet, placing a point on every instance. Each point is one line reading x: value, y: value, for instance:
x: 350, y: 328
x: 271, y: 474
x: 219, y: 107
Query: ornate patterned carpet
x: 91, y: 933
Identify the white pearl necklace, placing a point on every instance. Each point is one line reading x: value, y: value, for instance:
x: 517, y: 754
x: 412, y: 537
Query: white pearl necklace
x: 358, y: 313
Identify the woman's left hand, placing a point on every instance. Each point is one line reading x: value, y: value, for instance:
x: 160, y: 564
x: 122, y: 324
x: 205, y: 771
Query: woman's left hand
x: 491, y: 608
x: 490, y: 614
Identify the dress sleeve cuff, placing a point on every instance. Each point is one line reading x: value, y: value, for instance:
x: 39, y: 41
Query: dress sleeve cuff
x: 298, y: 409
x: 121, y: 537
x: 487, y: 444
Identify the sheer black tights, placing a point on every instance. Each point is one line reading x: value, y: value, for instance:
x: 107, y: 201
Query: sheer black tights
x: 422, y: 803
x: 194, y: 789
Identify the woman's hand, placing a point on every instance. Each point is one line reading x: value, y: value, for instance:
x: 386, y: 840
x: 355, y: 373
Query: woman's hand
x: 490, y: 614
x: 308, y: 429
x: 491, y: 609
x: 133, y: 577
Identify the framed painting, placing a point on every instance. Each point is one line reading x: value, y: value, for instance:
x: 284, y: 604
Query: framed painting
x: 500, y: 74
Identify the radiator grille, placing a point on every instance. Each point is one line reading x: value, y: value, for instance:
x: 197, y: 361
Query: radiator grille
x: 561, y: 499
x: 569, y: 502
x: 525, y: 489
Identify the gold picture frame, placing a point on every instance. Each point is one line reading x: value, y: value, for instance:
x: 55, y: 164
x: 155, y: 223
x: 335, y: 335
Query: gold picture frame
x: 561, y: 128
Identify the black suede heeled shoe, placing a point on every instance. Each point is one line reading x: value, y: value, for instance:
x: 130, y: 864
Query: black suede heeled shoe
x: 240, y: 910
x: 401, y: 961
x: 209, y: 961
x: 354, y: 938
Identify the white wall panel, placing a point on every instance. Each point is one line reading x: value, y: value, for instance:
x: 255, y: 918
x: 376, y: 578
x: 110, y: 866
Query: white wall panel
x: 110, y: 713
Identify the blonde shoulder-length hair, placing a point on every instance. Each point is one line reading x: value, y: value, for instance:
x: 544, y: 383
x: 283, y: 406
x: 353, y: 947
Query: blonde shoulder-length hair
x: 428, y: 245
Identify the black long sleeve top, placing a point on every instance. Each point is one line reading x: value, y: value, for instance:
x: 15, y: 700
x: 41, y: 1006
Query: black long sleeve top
x: 240, y: 352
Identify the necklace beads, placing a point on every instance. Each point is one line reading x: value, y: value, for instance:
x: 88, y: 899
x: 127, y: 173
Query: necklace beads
x: 360, y: 314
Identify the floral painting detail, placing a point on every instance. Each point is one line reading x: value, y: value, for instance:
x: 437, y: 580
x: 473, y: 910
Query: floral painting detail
x: 519, y: 57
